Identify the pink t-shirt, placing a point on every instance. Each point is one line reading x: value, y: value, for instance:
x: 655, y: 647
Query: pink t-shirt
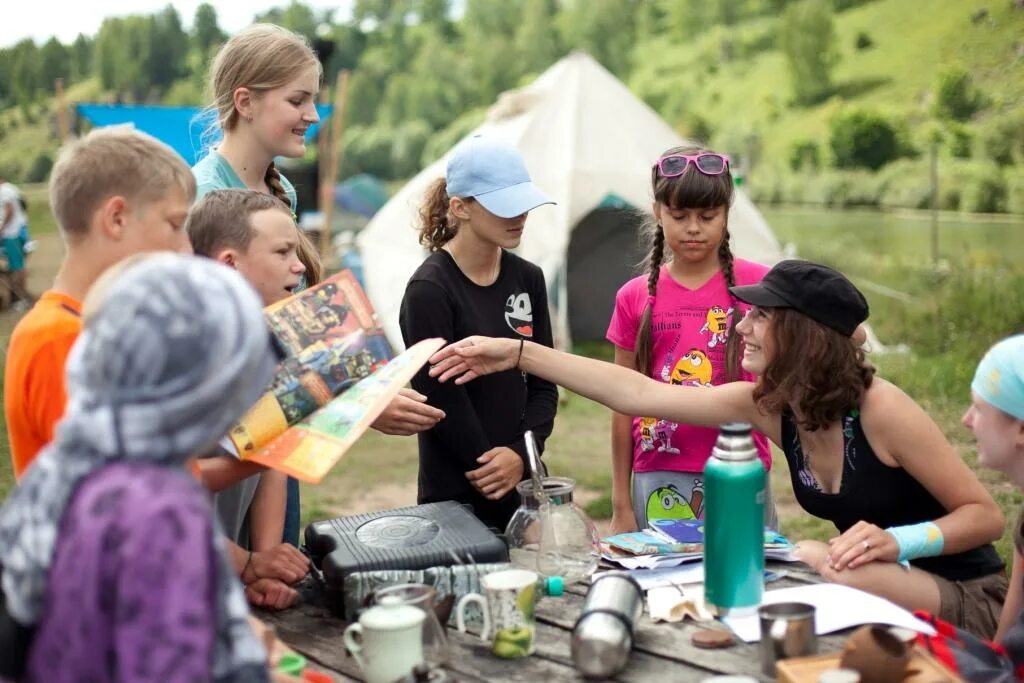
x: 690, y: 329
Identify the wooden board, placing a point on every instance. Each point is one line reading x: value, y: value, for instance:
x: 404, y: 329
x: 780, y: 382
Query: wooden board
x: 923, y: 668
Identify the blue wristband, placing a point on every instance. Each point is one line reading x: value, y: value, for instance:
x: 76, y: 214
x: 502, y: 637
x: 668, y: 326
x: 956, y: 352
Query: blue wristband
x: 918, y: 540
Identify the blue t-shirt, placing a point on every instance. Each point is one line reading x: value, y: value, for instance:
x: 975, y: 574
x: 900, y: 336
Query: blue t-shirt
x: 213, y: 172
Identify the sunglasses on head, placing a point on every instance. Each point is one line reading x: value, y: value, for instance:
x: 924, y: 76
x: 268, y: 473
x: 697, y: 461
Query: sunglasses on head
x: 708, y: 163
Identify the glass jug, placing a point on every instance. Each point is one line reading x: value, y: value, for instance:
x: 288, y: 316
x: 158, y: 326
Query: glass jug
x: 552, y: 537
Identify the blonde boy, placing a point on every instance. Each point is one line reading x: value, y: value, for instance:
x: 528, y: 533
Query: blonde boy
x: 114, y: 193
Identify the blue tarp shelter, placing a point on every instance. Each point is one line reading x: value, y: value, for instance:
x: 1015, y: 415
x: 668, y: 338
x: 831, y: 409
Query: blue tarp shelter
x: 183, y: 128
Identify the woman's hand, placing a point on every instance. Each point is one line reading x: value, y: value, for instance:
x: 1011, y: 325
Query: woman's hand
x: 860, y: 544
x: 473, y: 357
x: 501, y: 469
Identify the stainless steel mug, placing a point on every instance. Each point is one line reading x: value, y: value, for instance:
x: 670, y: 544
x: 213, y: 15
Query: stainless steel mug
x: 787, y: 630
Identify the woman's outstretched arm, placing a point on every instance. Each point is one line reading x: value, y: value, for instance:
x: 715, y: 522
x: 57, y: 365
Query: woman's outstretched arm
x: 621, y: 389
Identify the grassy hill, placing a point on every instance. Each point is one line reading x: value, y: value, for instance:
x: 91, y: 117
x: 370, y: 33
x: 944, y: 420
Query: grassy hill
x: 912, y: 43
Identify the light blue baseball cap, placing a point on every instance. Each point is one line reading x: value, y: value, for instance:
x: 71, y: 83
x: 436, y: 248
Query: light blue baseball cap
x: 999, y: 379
x: 493, y: 173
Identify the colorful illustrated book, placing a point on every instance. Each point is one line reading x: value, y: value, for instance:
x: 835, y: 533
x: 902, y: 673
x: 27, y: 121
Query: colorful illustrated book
x: 308, y: 450
x: 644, y: 543
x: 320, y: 399
x: 331, y: 339
x: 691, y: 531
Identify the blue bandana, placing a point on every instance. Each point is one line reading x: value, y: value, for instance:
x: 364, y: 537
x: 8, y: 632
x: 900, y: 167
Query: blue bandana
x: 999, y: 379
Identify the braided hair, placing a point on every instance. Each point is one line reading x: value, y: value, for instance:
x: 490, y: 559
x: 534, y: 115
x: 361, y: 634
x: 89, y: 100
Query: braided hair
x: 644, y: 343
x: 305, y: 250
x: 691, y: 190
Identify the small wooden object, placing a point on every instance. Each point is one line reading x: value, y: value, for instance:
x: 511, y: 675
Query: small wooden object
x: 923, y: 668
x: 712, y: 639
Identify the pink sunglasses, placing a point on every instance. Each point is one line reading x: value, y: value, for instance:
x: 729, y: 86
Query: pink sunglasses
x: 708, y: 163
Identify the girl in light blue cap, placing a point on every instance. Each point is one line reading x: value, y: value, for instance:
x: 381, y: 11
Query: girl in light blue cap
x: 472, y: 283
x: 996, y: 417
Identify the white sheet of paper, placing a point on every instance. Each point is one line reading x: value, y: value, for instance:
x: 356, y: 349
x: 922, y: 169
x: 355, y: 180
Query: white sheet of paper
x: 836, y: 607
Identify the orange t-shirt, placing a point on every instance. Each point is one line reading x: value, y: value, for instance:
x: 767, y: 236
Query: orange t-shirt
x: 34, y: 391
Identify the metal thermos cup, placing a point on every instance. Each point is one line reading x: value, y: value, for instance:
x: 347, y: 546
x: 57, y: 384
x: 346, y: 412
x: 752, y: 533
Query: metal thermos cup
x: 787, y: 630
x: 603, y: 636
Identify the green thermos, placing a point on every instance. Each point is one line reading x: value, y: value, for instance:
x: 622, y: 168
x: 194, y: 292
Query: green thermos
x: 734, y: 481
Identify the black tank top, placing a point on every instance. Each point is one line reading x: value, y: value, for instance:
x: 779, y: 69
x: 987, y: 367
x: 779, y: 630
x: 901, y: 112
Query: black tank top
x: 878, y: 494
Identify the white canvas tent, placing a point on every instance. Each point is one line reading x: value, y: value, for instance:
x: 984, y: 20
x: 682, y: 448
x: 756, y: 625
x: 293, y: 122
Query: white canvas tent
x: 588, y: 142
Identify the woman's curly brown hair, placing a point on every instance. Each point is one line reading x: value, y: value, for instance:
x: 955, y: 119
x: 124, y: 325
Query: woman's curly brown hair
x: 817, y: 370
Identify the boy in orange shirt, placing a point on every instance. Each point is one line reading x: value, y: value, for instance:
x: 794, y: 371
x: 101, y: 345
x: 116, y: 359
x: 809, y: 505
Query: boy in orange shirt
x: 114, y: 193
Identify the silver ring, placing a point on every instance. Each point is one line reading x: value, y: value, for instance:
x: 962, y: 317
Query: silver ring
x: 867, y: 545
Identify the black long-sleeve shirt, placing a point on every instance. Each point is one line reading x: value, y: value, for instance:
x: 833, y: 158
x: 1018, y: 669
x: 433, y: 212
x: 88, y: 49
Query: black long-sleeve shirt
x: 491, y: 411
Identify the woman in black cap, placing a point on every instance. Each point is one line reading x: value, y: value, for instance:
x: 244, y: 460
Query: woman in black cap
x: 915, y: 524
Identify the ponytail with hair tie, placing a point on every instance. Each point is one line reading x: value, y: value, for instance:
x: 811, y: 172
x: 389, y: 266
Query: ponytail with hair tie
x: 436, y: 225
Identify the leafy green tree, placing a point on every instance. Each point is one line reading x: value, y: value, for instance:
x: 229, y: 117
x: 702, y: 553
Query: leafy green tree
x: 864, y: 139
x: 296, y: 17
x: 81, y: 57
x: 433, y: 90
x: 168, y: 51
x: 366, y: 86
x: 537, y: 40
x: 6, y: 81
x: 687, y: 17
x: 808, y: 41
x: 55, y: 62
x: 605, y: 29
x: 435, y: 13
x: 109, y: 52
x: 488, y: 28
x: 956, y: 97
x: 25, y: 72
x: 205, y: 30
x: 729, y: 11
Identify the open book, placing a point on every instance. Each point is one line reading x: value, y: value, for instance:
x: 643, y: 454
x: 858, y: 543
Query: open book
x: 337, y: 377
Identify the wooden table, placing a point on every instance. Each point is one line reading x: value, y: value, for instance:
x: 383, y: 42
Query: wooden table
x: 662, y: 651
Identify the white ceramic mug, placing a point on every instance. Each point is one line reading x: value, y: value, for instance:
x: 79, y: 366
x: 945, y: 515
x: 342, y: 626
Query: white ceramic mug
x: 387, y: 641
x: 507, y: 605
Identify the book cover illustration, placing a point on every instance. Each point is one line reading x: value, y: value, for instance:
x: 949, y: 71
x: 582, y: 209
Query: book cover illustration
x: 330, y: 310
x: 309, y: 449
x: 692, y: 531
x: 643, y: 543
x: 332, y: 340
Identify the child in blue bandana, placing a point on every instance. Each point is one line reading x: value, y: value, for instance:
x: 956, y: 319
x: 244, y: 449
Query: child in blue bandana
x: 996, y: 417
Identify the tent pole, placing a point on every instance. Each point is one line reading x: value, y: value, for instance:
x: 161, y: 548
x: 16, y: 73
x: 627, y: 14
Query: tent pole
x: 333, y: 160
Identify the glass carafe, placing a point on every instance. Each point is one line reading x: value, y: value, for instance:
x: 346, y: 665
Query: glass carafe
x: 553, y: 536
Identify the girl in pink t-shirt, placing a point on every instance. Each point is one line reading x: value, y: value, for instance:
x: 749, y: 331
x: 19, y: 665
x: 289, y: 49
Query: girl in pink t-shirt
x: 676, y: 324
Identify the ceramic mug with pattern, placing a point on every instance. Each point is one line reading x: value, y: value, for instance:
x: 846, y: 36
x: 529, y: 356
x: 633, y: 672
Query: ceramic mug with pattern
x: 507, y: 606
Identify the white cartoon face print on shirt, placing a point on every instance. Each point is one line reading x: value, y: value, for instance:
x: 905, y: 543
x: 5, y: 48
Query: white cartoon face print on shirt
x: 519, y: 314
